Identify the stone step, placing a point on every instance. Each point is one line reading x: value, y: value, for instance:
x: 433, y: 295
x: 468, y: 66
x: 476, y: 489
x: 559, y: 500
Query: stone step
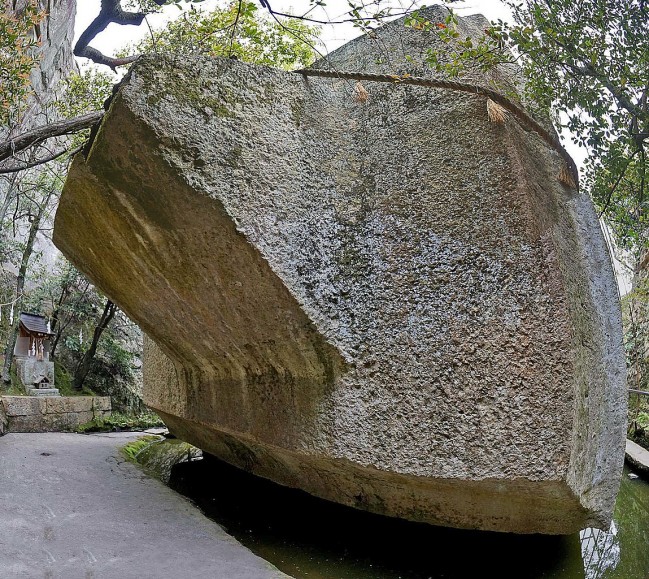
x: 638, y: 458
x: 43, y: 391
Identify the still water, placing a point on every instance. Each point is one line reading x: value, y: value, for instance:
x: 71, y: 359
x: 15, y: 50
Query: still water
x: 309, y: 538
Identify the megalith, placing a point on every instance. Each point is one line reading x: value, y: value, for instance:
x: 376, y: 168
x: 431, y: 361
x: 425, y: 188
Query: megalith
x: 372, y: 293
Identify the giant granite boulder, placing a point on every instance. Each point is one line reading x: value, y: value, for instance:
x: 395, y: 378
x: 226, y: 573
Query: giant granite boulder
x: 391, y: 302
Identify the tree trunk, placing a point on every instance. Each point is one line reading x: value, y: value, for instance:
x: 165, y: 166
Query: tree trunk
x: 8, y: 197
x: 20, y: 285
x: 57, y: 327
x: 55, y: 343
x: 83, y: 367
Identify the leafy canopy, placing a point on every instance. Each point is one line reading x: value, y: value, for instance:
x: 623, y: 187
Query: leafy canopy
x: 18, y: 55
x: 239, y: 29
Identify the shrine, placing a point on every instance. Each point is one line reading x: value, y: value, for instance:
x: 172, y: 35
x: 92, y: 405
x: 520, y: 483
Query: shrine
x: 32, y: 354
x: 34, y: 337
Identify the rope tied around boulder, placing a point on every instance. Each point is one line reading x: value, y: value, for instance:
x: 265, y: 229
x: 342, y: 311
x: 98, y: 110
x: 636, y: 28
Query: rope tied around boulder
x: 497, y: 104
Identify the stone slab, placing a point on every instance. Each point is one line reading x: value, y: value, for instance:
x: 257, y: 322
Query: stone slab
x: 65, y: 421
x: 30, y: 369
x: 101, y: 404
x: 22, y: 405
x: 637, y: 457
x: 43, y: 391
x: 393, y: 304
x: 71, y: 404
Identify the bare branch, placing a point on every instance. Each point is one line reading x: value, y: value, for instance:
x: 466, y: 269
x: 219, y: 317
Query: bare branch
x: 42, y: 161
x: 111, y: 12
x: 234, y: 26
x: 350, y: 19
x: 28, y: 139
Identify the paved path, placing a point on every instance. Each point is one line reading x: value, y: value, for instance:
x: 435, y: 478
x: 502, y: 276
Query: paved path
x: 71, y: 507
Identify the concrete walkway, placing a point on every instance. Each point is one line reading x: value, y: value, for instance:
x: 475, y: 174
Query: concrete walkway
x: 71, y: 507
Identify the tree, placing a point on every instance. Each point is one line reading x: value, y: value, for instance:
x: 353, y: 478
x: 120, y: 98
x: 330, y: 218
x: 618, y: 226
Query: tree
x: 589, y: 63
x: 33, y: 194
x: 237, y: 30
x: 87, y: 346
x: 38, y: 206
x: 84, y: 365
x: 69, y: 295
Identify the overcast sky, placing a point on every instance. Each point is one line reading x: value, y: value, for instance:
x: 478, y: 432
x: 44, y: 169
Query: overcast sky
x: 116, y: 36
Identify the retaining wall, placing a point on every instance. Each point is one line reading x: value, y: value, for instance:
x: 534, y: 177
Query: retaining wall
x: 50, y: 414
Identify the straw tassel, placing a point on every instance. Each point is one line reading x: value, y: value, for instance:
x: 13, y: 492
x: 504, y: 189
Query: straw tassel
x: 565, y: 176
x: 495, y: 112
x: 360, y: 94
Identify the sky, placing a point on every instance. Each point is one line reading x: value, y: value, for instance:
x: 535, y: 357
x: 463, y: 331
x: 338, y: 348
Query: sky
x: 116, y: 36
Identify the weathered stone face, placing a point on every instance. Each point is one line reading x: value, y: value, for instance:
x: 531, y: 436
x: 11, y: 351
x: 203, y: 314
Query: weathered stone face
x: 391, y: 304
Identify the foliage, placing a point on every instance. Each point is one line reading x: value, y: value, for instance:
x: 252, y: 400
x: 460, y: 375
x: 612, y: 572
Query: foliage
x: 159, y: 457
x: 151, y: 6
x: 466, y: 53
x: 74, y: 306
x: 34, y: 200
x: 84, y: 91
x: 638, y: 429
x: 236, y: 30
x: 68, y: 298
x: 643, y: 419
x: 118, y: 422
x: 15, y: 387
x: 63, y: 382
x: 113, y: 361
x: 132, y: 449
x: 18, y: 56
x: 635, y: 312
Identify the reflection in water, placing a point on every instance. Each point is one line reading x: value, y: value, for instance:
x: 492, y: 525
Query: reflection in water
x: 311, y: 538
x: 623, y: 551
x: 600, y: 551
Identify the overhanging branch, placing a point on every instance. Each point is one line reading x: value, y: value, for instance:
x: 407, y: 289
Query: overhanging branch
x: 42, y: 161
x: 111, y: 13
x: 28, y: 139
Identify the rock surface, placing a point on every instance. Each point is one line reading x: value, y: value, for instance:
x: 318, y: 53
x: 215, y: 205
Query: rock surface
x: 30, y: 370
x: 55, y: 58
x: 392, y: 304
